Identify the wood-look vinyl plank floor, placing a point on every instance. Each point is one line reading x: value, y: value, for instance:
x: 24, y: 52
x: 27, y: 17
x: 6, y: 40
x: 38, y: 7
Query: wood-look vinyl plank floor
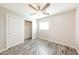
x: 39, y: 47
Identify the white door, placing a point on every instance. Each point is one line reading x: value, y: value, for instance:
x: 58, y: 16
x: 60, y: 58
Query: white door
x: 10, y: 31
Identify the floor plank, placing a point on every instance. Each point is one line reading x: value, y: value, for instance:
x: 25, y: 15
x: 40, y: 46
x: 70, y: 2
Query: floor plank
x: 39, y: 47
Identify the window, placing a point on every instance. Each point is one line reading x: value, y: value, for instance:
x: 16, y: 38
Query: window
x: 44, y: 25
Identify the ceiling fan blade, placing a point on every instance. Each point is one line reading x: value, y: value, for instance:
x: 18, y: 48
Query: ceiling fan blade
x: 38, y: 7
x: 32, y: 7
x: 46, y: 6
x: 46, y: 13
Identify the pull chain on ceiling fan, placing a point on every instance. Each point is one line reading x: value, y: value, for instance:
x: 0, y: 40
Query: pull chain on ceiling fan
x: 39, y: 9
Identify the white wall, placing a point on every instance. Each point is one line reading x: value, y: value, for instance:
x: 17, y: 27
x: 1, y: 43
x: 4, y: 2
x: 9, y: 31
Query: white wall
x: 61, y: 28
x: 40, y: 32
x: 3, y: 13
x: 34, y: 28
x: 2, y: 38
x: 77, y: 29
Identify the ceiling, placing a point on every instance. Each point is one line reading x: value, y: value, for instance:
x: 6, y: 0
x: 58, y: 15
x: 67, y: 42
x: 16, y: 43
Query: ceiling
x: 24, y: 9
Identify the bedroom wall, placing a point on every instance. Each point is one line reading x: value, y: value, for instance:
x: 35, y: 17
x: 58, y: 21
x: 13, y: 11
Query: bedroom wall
x: 34, y: 28
x: 77, y: 29
x: 3, y: 13
x: 61, y: 28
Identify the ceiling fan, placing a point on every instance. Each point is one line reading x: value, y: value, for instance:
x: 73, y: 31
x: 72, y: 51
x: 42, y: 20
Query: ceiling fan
x: 39, y: 9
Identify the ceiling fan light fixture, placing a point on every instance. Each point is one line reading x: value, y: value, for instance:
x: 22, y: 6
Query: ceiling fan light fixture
x: 39, y: 9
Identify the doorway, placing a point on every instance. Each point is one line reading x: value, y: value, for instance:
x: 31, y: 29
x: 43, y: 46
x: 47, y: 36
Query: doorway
x: 28, y: 29
x: 14, y: 31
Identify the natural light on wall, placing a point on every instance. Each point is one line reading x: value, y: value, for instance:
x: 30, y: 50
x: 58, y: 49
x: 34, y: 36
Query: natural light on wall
x: 44, y: 25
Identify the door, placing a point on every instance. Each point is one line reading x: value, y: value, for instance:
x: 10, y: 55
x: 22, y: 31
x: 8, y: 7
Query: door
x: 10, y: 31
x: 28, y: 29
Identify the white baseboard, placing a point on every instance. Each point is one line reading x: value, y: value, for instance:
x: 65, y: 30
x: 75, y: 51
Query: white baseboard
x: 10, y: 47
x: 3, y: 50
